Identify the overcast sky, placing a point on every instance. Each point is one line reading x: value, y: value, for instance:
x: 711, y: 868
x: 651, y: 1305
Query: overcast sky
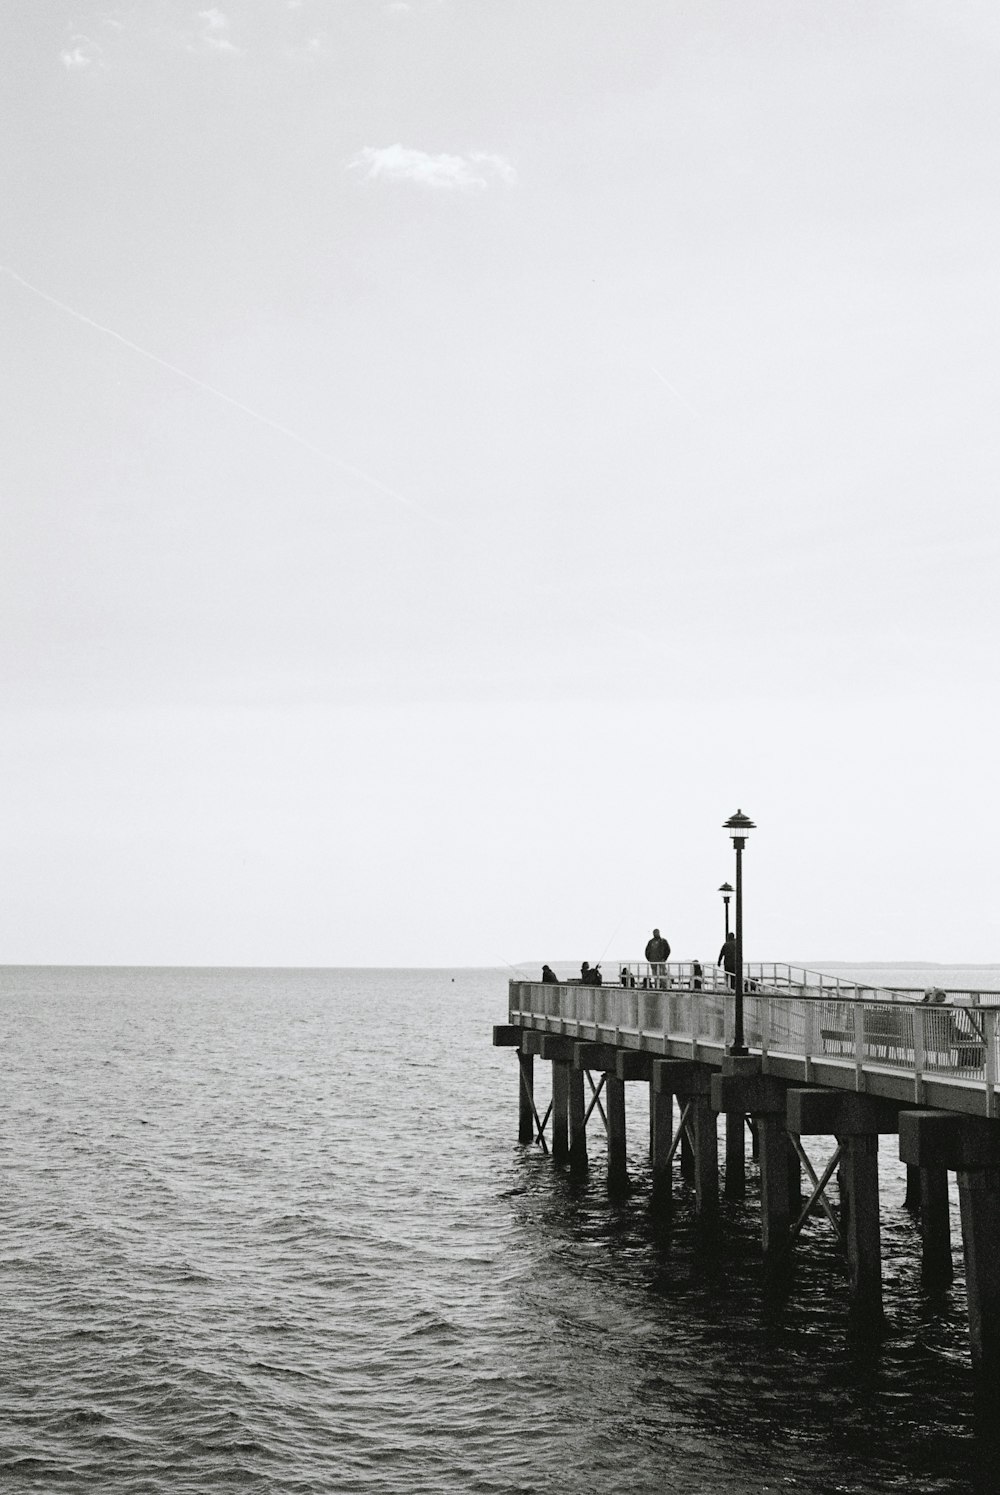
x: 456, y: 452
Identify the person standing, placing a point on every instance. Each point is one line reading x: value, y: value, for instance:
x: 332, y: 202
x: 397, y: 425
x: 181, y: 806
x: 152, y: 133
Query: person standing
x: 657, y: 953
x: 727, y: 959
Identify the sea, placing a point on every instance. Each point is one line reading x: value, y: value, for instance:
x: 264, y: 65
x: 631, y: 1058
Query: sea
x: 272, y: 1230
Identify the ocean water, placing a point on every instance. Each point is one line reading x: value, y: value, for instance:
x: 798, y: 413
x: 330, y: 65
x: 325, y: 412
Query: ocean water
x: 272, y: 1231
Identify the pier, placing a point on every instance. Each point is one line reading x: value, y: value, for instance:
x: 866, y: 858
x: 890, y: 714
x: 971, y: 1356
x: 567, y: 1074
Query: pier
x: 824, y: 1059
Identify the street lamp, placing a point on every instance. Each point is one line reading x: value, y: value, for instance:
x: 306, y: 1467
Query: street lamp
x: 726, y: 890
x: 739, y: 826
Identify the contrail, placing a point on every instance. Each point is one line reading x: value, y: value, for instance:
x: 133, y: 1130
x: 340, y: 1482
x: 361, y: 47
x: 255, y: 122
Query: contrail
x: 220, y: 394
x: 673, y: 391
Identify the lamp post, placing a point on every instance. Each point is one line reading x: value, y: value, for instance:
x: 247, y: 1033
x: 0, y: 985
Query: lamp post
x: 739, y: 826
x: 726, y: 890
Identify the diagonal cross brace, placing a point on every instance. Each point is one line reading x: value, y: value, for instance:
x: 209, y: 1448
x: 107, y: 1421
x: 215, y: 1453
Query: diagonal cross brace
x: 818, y: 1195
x: 596, y: 1101
x: 539, y: 1125
x: 684, y: 1125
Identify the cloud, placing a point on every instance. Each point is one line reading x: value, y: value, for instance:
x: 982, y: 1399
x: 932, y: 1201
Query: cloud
x: 213, y: 35
x: 397, y: 163
x: 81, y: 53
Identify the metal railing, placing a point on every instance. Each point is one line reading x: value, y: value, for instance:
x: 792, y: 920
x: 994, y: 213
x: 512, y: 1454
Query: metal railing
x: 765, y: 976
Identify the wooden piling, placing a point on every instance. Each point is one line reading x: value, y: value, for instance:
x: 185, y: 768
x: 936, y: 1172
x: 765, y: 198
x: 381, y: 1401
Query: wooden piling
x: 979, y: 1197
x: 577, y: 1125
x: 662, y: 1105
x: 937, y: 1267
x: 970, y: 1147
x: 687, y: 1158
x: 743, y: 1087
x: 794, y: 1181
x: 526, y: 1095
x: 706, y: 1157
x: 736, y: 1167
x: 560, y: 1110
x: 863, y: 1234
x: 912, y: 1200
x: 614, y: 1092
x: 775, y: 1205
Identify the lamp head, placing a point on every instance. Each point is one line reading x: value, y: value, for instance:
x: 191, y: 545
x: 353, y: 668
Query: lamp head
x: 725, y: 890
x: 739, y: 826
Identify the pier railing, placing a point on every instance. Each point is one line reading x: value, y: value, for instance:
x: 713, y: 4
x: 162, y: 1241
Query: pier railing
x: 768, y: 976
x: 831, y: 1031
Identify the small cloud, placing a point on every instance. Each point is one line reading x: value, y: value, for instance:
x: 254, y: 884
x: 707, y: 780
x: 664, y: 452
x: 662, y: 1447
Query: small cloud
x: 499, y: 164
x: 397, y: 163
x: 81, y: 53
x: 213, y: 34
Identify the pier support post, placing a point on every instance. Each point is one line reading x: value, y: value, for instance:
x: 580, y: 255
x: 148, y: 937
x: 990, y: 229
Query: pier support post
x: 743, y: 1087
x: 863, y: 1234
x: 857, y: 1121
x: 510, y: 1036
x: 970, y: 1147
x: 736, y: 1167
x: 937, y: 1267
x: 577, y: 1124
x: 614, y: 1092
x: 559, y: 1049
x: 794, y: 1180
x: 525, y: 1098
x: 979, y: 1197
x: 662, y: 1127
x: 706, y: 1156
x: 630, y: 1064
x: 775, y: 1203
x: 560, y: 1111
x: 912, y: 1200
x: 691, y: 1082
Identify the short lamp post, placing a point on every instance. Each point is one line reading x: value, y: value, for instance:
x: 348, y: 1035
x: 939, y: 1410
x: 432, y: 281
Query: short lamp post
x: 726, y: 891
x: 739, y: 826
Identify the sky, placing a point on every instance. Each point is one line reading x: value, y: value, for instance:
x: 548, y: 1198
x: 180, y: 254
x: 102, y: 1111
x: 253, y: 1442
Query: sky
x: 457, y: 452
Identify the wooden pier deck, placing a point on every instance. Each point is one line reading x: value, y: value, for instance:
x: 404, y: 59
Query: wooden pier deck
x: 827, y: 1059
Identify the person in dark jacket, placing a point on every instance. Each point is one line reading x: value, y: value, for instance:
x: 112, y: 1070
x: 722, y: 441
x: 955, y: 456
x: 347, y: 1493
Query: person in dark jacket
x: 657, y: 953
x: 727, y: 958
x: 549, y: 976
